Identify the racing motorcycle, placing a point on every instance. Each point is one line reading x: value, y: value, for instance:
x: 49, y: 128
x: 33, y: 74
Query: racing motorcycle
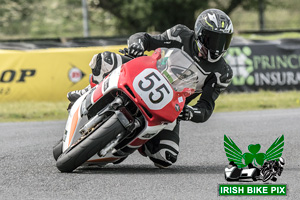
x: 129, y: 107
x: 271, y: 169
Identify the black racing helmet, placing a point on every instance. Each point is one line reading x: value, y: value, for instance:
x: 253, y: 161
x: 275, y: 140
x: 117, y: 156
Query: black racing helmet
x: 213, y: 31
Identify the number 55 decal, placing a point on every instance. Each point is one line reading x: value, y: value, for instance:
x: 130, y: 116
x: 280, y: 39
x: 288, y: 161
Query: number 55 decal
x: 153, y: 88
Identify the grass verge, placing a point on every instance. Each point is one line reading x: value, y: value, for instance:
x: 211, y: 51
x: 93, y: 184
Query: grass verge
x: 257, y: 101
x: 33, y: 111
x: 41, y: 111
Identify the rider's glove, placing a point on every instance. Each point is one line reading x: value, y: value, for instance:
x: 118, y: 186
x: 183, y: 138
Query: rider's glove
x: 187, y: 113
x: 136, y: 49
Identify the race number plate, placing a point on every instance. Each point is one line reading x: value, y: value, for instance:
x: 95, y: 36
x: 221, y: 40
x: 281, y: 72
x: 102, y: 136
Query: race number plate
x: 153, y: 88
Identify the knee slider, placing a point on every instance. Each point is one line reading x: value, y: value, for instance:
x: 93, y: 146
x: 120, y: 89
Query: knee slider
x: 104, y: 63
x: 107, y: 57
x: 110, y: 61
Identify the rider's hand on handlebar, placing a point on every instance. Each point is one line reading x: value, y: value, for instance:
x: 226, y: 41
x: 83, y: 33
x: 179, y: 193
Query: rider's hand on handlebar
x: 136, y: 49
x: 187, y: 113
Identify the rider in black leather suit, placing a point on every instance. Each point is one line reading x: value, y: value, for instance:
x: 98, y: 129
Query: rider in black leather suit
x: 206, y: 45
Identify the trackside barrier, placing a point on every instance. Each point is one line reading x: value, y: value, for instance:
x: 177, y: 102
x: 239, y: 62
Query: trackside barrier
x: 49, y: 74
x: 264, y: 65
x: 45, y: 74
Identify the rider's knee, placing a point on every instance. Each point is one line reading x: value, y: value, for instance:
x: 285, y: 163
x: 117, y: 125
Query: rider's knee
x: 103, y: 63
x: 110, y: 61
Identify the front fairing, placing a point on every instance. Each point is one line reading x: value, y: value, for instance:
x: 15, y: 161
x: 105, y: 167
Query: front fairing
x: 150, y: 91
x: 75, y: 121
x: 143, y: 80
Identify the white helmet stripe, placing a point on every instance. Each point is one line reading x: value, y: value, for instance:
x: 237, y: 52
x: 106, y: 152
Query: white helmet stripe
x: 213, y: 18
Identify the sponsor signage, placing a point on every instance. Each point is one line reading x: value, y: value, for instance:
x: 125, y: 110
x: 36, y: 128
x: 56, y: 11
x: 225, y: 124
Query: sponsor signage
x: 273, y: 65
x: 49, y: 74
x: 45, y: 74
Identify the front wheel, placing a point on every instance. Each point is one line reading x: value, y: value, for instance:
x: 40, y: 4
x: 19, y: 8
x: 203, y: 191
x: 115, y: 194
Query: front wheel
x: 267, y: 175
x: 57, y: 149
x: 76, y: 155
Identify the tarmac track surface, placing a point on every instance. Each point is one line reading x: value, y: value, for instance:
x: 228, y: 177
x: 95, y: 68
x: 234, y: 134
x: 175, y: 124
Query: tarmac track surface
x: 28, y: 169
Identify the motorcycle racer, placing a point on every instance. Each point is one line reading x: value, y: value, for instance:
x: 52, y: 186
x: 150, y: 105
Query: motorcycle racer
x: 271, y: 169
x: 205, y: 45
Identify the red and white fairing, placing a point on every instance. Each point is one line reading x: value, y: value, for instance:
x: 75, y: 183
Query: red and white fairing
x: 146, y: 87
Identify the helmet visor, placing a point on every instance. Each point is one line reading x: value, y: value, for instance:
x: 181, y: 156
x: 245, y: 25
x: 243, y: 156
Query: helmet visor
x: 215, y: 42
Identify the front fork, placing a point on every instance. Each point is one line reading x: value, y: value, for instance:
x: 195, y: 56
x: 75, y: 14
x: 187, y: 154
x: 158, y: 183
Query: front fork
x: 117, y: 107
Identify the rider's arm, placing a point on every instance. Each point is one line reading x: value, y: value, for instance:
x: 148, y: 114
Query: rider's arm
x: 206, y: 103
x: 169, y: 39
x: 215, y: 83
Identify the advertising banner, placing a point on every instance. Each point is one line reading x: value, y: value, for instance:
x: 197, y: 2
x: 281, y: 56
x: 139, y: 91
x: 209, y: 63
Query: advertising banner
x: 49, y: 74
x: 45, y: 74
x: 266, y: 65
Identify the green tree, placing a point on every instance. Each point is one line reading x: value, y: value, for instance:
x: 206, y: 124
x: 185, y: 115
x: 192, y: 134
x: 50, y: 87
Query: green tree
x: 63, y: 18
x: 142, y: 15
x: 40, y: 19
x: 14, y: 15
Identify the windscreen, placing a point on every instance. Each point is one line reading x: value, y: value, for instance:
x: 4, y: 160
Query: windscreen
x: 178, y: 68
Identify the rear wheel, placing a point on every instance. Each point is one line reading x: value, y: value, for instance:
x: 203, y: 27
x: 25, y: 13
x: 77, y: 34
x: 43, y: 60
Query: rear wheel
x: 79, y: 153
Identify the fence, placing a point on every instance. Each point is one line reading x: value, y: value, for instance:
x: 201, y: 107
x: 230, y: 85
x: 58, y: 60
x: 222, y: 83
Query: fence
x: 48, y: 74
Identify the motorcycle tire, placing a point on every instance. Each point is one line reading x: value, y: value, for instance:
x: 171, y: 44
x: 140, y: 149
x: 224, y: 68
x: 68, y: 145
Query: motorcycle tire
x: 57, y: 149
x: 79, y: 153
x: 267, y: 175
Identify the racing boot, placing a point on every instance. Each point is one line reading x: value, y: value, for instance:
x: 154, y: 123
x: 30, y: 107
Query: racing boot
x: 74, y: 95
x: 120, y: 160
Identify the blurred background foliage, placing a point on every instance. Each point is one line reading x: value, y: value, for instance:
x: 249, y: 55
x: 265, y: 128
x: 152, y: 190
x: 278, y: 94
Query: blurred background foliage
x: 63, y: 18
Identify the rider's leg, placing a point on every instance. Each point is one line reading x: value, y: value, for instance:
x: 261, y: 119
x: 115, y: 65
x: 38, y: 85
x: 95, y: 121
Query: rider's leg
x: 74, y: 95
x: 101, y: 64
x: 163, y: 149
